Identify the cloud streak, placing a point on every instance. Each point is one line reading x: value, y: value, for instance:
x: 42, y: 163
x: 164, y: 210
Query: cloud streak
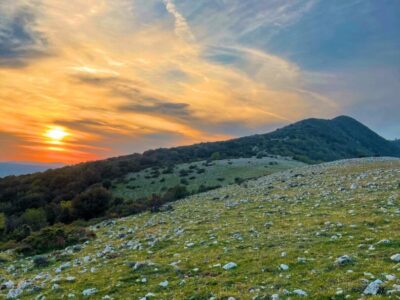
x: 182, y: 28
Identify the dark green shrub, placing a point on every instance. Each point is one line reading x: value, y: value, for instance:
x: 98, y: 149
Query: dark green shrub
x: 40, y: 261
x: 92, y: 203
x: 55, y: 237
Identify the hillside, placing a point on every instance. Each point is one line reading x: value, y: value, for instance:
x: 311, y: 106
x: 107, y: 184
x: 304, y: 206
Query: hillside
x: 396, y: 143
x: 198, y: 176
x: 85, y: 191
x: 7, y: 168
x: 324, y: 232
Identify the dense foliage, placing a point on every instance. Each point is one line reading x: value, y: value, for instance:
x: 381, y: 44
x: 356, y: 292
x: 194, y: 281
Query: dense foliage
x: 31, y: 202
x: 55, y: 237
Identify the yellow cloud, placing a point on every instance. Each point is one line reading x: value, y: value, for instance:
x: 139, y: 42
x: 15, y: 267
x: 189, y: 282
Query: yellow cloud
x: 98, y: 62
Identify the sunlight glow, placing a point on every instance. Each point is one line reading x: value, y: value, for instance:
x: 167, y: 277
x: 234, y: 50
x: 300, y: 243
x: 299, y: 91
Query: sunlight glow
x: 56, y: 134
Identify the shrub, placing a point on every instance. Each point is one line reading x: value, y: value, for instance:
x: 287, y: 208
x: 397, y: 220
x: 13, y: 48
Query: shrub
x: 55, y: 237
x: 35, y: 218
x: 215, y: 156
x: 40, y: 261
x: 92, y: 203
x: 239, y: 180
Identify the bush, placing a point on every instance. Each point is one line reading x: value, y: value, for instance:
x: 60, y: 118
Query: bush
x: 52, y: 238
x: 40, y: 261
x: 35, y: 218
x: 92, y: 203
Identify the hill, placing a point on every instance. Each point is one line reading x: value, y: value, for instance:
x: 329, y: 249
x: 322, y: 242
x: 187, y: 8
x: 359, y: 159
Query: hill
x: 9, y: 168
x: 86, y: 191
x: 396, y: 143
x: 324, y: 232
x: 198, y: 176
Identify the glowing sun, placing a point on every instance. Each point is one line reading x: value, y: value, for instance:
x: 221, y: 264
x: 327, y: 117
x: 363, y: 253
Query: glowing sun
x: 56, y: 134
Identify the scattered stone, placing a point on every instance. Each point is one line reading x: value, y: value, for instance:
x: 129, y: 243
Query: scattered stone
x: 343, y: 260
x: 89, y: 292
x: 300, y: 293
x: 164, y: 283
x: 229, y: 266
x: 373, y: 288
x: 395, y: 257
x: 284, y: 267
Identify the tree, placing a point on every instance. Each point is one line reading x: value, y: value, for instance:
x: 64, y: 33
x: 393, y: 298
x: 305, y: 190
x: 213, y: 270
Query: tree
x: 35, y: 218
x: 91, y: 203
x: 215, y: 156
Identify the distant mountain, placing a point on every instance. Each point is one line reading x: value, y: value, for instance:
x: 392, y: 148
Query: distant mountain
x: 318, y: 140
x: 84, y: 190
x: 396, y: 143
x: 10, y: 168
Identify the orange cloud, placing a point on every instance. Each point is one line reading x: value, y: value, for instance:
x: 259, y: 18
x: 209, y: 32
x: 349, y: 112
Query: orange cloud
x: 99, y: 62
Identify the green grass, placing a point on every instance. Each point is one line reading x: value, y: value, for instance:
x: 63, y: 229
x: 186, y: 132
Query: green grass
x: 311, y: 213
x: 217, y: 173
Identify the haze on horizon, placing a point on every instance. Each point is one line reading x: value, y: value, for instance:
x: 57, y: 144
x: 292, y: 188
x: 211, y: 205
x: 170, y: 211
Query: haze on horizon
x: 83, y: 80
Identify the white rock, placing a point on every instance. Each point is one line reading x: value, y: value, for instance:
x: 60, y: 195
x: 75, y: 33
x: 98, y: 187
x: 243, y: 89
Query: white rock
x: 344, y: 259
x: 164, y: 283
x: 229, y: 266
x: 8, y: 284
x: 395, y: 257
x: 373, y: 287
x: 300, y: 293
x: 390, y: 277
x: 14, y: 293
x: 284, y: 267
x: 275, y: 297
x: 89, y: 292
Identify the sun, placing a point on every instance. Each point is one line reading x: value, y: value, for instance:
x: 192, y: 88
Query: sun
x: 56, y: 134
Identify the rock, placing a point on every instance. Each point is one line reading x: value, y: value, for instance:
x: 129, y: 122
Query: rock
x: 164, y: 283
x: 70, y: 279
x: 229, y: 266
x: 7, y: 285
x: 395, y: 257
x: 373, y: 288
x: 14, y: 293
x: 300, y: 293
x: 390, y: 277
x: 284, y: 267
x: 343, y: 260
x: 89, y: 292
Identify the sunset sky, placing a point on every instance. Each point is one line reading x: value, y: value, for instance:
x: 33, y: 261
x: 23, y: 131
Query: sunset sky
x: 89, y: 79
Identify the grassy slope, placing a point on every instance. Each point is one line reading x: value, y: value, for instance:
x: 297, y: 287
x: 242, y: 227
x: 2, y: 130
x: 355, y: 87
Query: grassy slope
x: 136, y: 185
x: 312, y: 213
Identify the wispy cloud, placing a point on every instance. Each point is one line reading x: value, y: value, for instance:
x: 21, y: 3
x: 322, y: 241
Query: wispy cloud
x: 124, y: 73
x: 182, y: 28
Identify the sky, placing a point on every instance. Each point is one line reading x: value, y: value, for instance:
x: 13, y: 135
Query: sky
x: 89, y: 79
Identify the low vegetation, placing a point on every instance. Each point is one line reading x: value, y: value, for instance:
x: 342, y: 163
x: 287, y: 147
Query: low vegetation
x: 318, y: 232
